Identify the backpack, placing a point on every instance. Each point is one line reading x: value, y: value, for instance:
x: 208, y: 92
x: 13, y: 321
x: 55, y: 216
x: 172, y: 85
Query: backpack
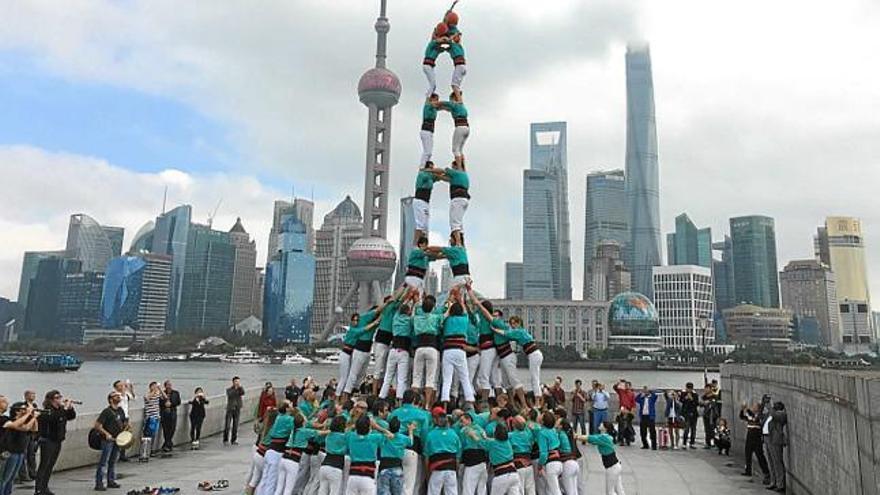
x: 96, y: 440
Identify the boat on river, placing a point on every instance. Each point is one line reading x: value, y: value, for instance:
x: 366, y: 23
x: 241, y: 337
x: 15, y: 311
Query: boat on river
x: 39, y: 362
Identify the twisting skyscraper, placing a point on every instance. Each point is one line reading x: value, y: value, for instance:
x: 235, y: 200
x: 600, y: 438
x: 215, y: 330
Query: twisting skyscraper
x: 642, y: 169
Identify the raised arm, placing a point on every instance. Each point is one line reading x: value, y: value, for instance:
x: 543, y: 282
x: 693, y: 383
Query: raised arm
x: 476, y: 301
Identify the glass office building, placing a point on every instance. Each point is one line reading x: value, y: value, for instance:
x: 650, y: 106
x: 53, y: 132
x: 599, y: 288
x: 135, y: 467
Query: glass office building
x: 605, y: 217
x: 755, y: 275
x: 689, y: 245
x: 290, y: 286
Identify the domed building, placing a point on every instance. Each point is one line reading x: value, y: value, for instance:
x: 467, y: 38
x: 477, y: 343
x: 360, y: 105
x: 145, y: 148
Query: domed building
x: 633, y: 322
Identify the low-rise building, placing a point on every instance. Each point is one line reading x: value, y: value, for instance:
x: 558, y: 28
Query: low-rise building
x: 753, y: 325
x: 582, y: 324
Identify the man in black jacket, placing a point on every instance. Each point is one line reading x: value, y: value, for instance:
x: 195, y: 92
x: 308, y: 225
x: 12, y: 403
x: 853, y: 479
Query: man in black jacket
x: 168, y: 415
x: 754, y: 419
x: 689, y: 403
x: 53, y: 430
x: 775, y: 441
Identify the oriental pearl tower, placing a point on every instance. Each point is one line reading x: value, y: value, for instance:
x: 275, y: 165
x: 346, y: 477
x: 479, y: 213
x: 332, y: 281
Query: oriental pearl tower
x: 371, y: 259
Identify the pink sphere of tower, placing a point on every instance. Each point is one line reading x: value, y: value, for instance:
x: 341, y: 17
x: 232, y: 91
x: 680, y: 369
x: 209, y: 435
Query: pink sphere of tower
x: 371, y: 259
x: 380, y: 87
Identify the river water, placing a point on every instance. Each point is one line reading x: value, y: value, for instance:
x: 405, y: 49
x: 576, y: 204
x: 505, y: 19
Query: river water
x: 92, y: 382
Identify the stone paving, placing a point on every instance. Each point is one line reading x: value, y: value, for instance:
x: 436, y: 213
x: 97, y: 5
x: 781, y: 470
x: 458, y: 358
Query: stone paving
x: 646, y: 472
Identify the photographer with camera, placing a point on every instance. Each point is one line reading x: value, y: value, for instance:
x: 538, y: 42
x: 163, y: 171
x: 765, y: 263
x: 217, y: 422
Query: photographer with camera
x: 196, y: 417
x: 57, y: 411
x: 754, y: 419
x: 16, y: 427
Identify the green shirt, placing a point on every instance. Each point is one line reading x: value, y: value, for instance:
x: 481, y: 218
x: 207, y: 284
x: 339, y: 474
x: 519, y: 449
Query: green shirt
x: 500, y: 452
x: 473, y: 333
x: 387, y: 317
x: 442, y: 441
x: 520, y: 335
x: 418, y: 259
x: 402, y: 325
x: 426, y: 323
x: 603, y: 441
x: 456, y: 255
x: 500, y: 324
x: 429, y: 112
x: 408, y: 414
x: 548, y: 440
x: 362, y: 448
x: 300, y: 438
x: 457, y: 109
x: 282, y: 427
x: 394, y: 448
x: 336, y: 443
x: 425, y: 180
x: 522, y: 441
x: 307, y: 408
x: 467, y: 442
x: 352, y: 334
x: 456, y: 326
x: 564, y: 443
x: 457, y: 178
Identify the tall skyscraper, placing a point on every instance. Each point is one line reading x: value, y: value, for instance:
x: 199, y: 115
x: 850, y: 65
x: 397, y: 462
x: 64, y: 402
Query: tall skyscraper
x: 446, y: 277
x: 755, y: 273
x: 87, y: 241
x: 513, y: 281
x: 341, y: 228
x: 207, y: 281
x: 79, y: 304
x: 243, y: 273
x: 432, y: 283
x: 684, y: 301
x: 608, y: 273
x: 642, y: 169
x: 170, y: 238
x: 546, y: 240
x: 303, y: 210
x: 722, y: 276
x: 29, y: 271
x: 605, y: 218
x: 259, y: 291
x: 142, y: 242
x: 809, y: 290
x: 407, y: 229
x: 290, y: 286
x: 689, y: 245
x: 44, y: 293
x: 840, y: 244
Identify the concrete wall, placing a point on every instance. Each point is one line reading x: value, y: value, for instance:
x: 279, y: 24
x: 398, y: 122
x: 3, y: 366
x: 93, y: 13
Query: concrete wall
x: 833, y: 423
x: 75, y: 451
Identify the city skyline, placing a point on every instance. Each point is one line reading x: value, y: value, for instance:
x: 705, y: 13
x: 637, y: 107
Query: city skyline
x: 698, y: 163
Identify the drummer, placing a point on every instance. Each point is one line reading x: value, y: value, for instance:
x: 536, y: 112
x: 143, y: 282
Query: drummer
x: 110, y: 423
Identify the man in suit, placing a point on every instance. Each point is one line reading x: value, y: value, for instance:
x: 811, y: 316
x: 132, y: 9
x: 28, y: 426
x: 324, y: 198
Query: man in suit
x: 774, y: 442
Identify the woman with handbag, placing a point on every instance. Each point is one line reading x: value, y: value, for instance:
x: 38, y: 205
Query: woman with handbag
x: 674, y: 419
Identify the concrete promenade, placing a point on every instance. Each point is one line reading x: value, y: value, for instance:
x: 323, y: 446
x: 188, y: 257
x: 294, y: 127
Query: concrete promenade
x: 646, y: 472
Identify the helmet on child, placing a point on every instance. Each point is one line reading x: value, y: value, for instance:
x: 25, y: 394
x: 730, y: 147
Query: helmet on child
x: 441, y: 29
x: 451, y: 18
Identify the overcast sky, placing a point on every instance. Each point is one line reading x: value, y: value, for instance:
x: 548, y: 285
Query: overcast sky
x: 762, y: 108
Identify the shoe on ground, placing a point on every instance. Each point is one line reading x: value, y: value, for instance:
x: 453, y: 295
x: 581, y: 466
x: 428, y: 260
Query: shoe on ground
x: 235, y: 442
x: 766, y: 481
x: 745, y: 473
x: 771, y: 487
x: 113, y: 484
x: 781, y: 490
x: 100, y: 488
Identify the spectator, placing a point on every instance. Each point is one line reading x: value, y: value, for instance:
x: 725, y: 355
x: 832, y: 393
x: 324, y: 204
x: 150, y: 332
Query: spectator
x: 689, y: 404
x: 594, y: 384
x: 600, y: 399
x: 647, y: 407
x: 578, y: 403
x: 292, y: 392
x: 152, y: 408
x: 753, y: 418
x: 266, y: 402
x: 775, y: 442
x: 626, y: 398
x: 110, y: 423
x: 196, y: 417
x: 233, y: 411
x: 170, y: 401
x: 674, y: 419
x: 52, y: 431
x: 126, y: 388
x: 21, y: 422
x: 710, y: 413
x: 558, y: 392
x: 28, y: 470
x: 722, y: 437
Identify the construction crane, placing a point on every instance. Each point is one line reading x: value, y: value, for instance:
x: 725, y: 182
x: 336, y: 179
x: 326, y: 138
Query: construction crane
x: 214, y: 213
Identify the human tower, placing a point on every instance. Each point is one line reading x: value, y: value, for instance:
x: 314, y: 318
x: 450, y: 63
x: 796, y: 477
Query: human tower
x: 399, y: 437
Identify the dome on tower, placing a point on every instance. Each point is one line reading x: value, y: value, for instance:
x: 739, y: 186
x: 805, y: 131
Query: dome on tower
x: 346, y: 209
x: 371, y: 259
x: 379, y: 86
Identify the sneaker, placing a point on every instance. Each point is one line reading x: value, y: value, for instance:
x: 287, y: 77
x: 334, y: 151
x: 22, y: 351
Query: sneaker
x: 100, y: 488
x: 113, y: 484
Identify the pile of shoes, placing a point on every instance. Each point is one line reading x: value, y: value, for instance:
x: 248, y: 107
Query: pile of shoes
x: 207, y: 486
x: 159, y: 490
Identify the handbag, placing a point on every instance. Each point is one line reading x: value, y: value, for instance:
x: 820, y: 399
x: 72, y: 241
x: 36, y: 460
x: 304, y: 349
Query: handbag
x: 96, y: 439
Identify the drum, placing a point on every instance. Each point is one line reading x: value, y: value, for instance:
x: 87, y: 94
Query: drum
x: 124, y: 440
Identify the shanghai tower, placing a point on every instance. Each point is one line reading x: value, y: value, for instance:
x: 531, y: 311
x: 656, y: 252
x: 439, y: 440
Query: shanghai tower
x: 642, y: 169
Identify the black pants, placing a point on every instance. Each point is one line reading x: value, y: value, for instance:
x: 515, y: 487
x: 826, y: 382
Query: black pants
x: 169, y: 426
x: 646, y: 425
x: 231, y: 420
x: 755, y: 445
x: 49, y: 451
x: 690, y: 429
x: 723, y: 445
x: 709, y: 427
x: 29, y: 463
x: 195, y: 428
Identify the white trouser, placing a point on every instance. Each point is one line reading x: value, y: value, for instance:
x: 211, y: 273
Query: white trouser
x: 256, y: 469
x: 459, y: 137
x: 569, y: 479
x: 303, y: 474
x: 330, y: 480
x: 535, y: 360
x: 455, y: 366
x: 398, y: 365
x: 460, y: 280
x: 432, y: 79
x: 312, y: 484
x: 380, y: 350
x: 361, y: 485
x: 508, y: 484
x: 415, y: 282
x: 411, y: 472
x: 445, y: 481
x: 488, y: 362
x: 458, y: 74
x: 270, y: 473
x: 457, y: 208
x: 425, y: 367
x: 474, y: 479
x: 552, y: 473
x: 287, y: 473
x: 344, y: 367
x: 421, y: 214
x: 427, y: 146
x: 359, y: 362
x: 508, y: 371
x: 473, y: 363
x: 614, y: 480
x: 527, y: 479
